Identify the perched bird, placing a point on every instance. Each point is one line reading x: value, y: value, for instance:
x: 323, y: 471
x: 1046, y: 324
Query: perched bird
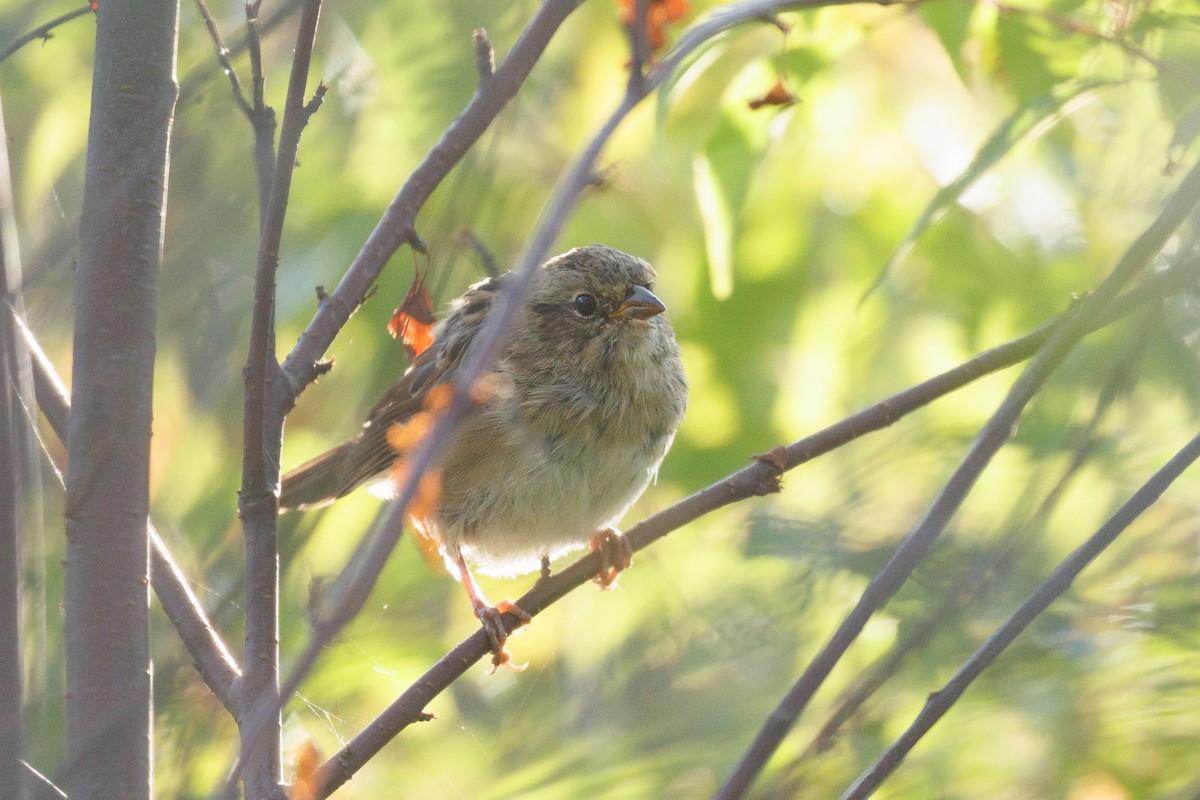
x: 588, y: 394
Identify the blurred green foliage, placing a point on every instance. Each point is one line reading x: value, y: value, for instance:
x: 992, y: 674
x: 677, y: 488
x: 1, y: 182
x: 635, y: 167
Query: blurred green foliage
x: 975, y: 163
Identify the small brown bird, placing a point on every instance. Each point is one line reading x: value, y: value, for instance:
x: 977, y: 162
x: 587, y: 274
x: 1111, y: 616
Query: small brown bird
x: 591, y: 393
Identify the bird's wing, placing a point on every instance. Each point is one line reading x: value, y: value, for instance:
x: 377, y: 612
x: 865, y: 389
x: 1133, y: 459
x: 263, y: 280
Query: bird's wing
x: 372, y: 453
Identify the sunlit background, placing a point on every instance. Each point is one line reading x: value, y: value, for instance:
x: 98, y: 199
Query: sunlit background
x: 809, y: 272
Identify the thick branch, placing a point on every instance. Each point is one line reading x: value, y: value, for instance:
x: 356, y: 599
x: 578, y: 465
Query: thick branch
x: 1056, y: 584
x: 995, y: 433
x: 121, y: 237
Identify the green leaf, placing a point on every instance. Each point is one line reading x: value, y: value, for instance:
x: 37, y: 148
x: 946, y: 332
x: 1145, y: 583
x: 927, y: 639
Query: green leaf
x: 951, y: 23
x: 718, y: 227
x: 1032, y: 119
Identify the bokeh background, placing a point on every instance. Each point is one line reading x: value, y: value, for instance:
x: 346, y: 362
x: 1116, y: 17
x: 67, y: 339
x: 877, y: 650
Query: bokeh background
x: 800, y: 290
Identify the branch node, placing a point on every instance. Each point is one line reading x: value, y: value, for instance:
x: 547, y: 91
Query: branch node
x: 257, y: 504
x: 773, y: 19
x: 322, y: 295
x: 416, y: 242
x: 777, y: 459
x: 485, y: 56
x: 322, y: 367
x: 313, y: 105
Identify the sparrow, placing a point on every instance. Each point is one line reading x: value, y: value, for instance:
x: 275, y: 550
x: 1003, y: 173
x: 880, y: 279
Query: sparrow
x: 584, y: 403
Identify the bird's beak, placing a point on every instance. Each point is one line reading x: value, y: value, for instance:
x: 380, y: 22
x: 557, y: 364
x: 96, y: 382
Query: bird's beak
x: 640, y: 304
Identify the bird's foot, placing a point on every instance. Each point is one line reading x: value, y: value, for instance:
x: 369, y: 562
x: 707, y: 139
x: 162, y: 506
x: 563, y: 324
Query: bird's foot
x: 615, y: 555
x: 491, y: 617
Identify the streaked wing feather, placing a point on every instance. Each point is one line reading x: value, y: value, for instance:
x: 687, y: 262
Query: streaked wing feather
x: 373, y: 454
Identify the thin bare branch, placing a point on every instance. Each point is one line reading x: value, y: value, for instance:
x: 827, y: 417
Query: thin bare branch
x: 759, y: 478
x: 995, y: 433
x: 485, y: 56
x: 214, y: 32
x: 200, y: 74
x: 45, y: 787
x: 262, y: 439
x: 43, y: 31
x: 263, y: 116
x: 1055, y: 585
x: 973, y: 582
x: 397, y: 224
x: 20, y: 491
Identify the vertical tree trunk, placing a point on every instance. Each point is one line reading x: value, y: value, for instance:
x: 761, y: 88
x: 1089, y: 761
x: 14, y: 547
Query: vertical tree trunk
x: 19, y: 470
x: 109, y: 711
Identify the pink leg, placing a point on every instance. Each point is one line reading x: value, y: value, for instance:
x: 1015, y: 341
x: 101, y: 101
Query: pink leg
x: 491, y: 617
x: 615, y: 555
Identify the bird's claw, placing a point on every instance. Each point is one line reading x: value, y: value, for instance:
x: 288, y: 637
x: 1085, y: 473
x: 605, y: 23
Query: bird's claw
x: 491, y: 617
x: 615, y: 555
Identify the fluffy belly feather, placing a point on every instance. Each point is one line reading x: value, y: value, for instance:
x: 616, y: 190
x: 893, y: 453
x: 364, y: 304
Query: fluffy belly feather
x: 545, y: 506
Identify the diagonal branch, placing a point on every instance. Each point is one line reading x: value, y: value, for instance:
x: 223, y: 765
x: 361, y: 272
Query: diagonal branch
x: 397, y: 224
x: 759, y: 478
x: 1055, y: 585
x: 995, y: 433
x: 973, y: 582
x: 43, y: 31
x: 217, y: 667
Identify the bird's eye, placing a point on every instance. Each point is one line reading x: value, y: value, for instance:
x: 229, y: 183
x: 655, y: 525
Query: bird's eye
x: 585, y: 305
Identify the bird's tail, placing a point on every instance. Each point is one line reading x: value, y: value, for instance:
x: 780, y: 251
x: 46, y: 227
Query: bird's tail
x: 317, y: 482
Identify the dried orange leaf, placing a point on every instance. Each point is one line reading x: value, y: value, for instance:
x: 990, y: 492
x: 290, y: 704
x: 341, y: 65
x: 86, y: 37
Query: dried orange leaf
x: 438, y: 397
x: 658, y: 14
x: 405, y: 436
x: 777, y: 95
x: 412, y: 323
x: 429, y: 487
x: 308, y: 760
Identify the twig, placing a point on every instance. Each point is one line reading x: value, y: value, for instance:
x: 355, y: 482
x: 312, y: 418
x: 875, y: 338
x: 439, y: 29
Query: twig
x: 975, y: 581
x: 1056, y: 584
x: 48, y: 789
x: 262, y: 116
x: 214, y: 32
x: 217, y: 667
x: 263, y: 437
x: 43, y: 31
x: 397, y: 223
x: 485, y: 56
x: 199, y: 74
x: 20, y: 492
x: 759, y: 478
x: 995, y: 433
